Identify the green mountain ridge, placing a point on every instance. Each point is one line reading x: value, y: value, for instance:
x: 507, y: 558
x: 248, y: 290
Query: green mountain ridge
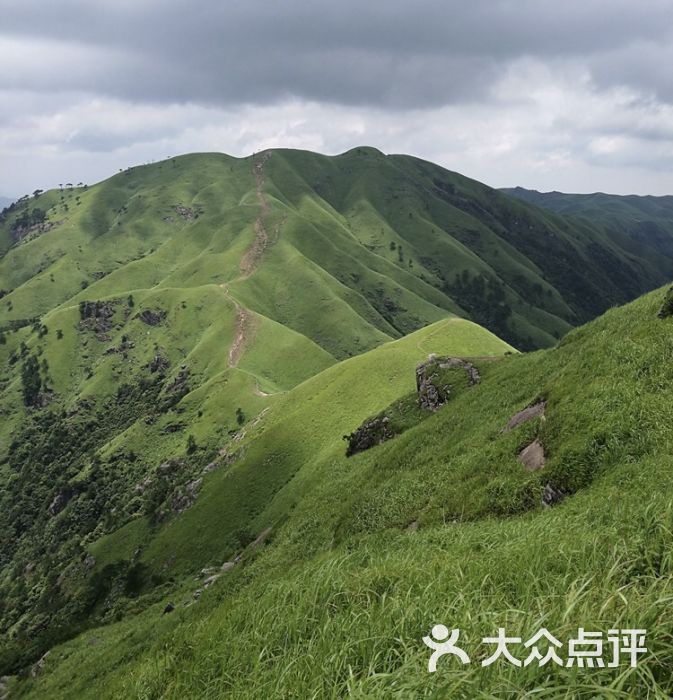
x: 184, y: 346
x: 358, y: 557
x: 641, y: 224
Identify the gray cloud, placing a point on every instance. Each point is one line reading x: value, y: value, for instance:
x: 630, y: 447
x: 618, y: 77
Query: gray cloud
x: 502, y: 88
x: 392, y: 53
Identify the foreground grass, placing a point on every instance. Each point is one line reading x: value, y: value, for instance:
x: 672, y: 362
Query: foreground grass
x: 337, y: 602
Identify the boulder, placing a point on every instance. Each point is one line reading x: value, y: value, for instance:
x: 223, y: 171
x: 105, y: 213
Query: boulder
x: 38, y: 667
x: 528, y: 413
x: 533, y: 457
x: 551, y: 495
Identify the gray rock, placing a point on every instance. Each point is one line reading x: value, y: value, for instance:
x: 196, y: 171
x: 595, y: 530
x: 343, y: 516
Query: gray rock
x: 38, y: 667
x: 551, y: 495
x: 525, y: 415
x: 533, y: 456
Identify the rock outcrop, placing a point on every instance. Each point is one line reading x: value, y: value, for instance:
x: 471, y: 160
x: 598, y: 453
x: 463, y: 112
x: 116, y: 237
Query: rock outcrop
x: 372, y: 432
x: 433, y: 391
x: 533, y: 457
x: 528, y: 413
x: 97, y: 316
x: 152, y: 318
x: 433, y: 387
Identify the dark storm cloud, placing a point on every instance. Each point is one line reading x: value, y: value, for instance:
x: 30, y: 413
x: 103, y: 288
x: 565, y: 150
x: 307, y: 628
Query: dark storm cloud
x: 572, y: 94
x: 377, y: 53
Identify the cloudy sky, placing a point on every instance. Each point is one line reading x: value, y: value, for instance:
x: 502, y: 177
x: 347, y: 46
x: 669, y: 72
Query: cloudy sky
x: 574, y: 95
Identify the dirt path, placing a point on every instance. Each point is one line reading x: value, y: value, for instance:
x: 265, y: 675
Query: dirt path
x: 243, y: 331
x: 264, y: 237
x: 250, y: 261
x: 262, y: 240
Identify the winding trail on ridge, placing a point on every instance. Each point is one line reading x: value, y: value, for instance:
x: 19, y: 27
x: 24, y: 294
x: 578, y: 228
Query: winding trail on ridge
x: 253, y: 255
x: 250, y: 261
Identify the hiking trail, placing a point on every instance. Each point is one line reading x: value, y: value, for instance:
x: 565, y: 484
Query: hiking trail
x: 250, y: 261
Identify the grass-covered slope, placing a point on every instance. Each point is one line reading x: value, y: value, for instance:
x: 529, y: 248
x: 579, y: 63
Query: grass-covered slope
x: 382, y: 245
x: 124, y: 495
x: 441, y: 524
x: 184, y: 345
x: 640, y: 225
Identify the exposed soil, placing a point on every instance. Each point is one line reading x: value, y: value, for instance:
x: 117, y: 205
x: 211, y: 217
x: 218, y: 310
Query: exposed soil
x: 243, y: 327
x: 264, y: 237
x: 249, y: 262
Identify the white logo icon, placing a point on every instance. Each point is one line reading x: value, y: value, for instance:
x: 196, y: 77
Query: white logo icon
x: 443, y: 644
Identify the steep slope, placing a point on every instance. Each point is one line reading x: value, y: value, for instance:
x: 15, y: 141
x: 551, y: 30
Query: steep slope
x: 442, y: 524
x: 152, y: 325
x: 125, y: 507
x: 640, y: 225
x: 386, y: 244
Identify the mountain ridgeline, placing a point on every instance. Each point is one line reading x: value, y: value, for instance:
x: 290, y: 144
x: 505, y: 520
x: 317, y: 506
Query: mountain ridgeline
x: 641, y: 225
x: 184, y: 347
x: 387, y: 243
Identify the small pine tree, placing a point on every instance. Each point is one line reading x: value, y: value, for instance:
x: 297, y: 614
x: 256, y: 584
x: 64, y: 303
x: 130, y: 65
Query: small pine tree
x: 240, y: 416
x: 191, y: 444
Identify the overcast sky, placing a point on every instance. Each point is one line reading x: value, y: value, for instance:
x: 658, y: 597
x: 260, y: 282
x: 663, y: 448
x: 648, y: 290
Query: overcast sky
x: 574, y: 95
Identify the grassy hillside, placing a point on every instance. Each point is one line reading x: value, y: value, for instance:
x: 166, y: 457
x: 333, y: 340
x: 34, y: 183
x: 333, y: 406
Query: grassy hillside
x: 385, y: 244
x: 127, y: 506
x: 641, y: 225
x: 184, y: 346
x: 441, y: 524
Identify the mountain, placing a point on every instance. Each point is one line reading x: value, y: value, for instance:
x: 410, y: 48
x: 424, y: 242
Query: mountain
x: 355, y: 559
x: 641, y: 225
x: 183, y: 348
x: 5, y: 202
x: 387, y: 243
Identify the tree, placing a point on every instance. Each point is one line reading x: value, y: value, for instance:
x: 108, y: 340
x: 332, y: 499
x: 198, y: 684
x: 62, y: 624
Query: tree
x: 31, y: 382
x: 240, y: 416
x: 191, y: 444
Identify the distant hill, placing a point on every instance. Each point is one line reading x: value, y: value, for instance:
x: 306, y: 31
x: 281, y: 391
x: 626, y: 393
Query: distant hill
x: 642, y: 226
x: 388, y: 244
